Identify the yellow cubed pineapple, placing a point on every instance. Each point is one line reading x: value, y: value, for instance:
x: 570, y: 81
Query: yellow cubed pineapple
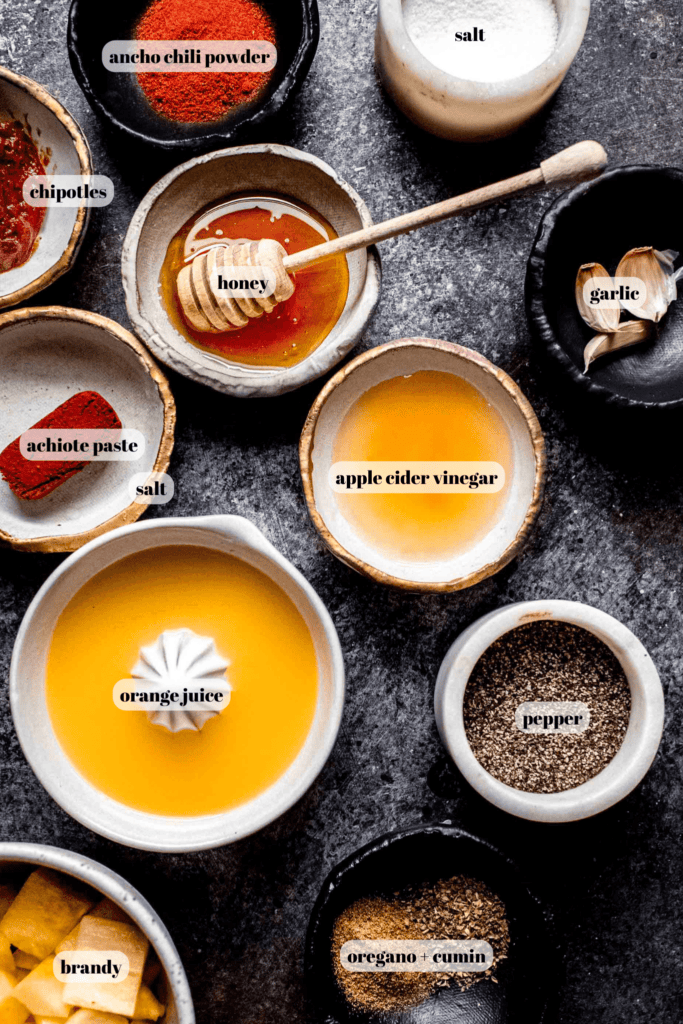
x: 8, y: 893
x: 46, y: 909
x: 106, y: 908
x: 95, y: 1017
x: 147, y: 1006
x: 11, y: 1010
x: 25, y: 961
x: 96, y: 933
x: 42, y: 993
x: 6, y: 958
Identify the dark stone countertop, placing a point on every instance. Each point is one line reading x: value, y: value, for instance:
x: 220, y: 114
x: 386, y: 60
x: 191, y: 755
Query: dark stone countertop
x: 610, y: 534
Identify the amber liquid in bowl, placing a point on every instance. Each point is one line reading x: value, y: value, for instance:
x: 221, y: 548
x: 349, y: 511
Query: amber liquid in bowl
x: 295, y: 328
x: 425, y: 416
x: 273, y: 670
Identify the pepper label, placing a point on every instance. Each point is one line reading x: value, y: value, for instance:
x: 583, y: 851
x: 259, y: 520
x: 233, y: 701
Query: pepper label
x: 552, y: 717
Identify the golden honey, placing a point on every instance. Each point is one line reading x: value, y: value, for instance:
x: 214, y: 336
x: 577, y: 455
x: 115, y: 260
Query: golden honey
x: 295, y: 328
x: 429, y: 415
x: 273, y: 670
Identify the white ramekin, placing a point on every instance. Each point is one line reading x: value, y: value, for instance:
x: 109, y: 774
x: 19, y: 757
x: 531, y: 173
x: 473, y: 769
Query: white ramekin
x: 455, y: 108
x: 626, y: 769
x: 79, y: 798
x: 179, y: 1000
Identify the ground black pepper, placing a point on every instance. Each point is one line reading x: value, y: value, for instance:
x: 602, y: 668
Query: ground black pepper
x: 455, y: 908
x: 546, y: 661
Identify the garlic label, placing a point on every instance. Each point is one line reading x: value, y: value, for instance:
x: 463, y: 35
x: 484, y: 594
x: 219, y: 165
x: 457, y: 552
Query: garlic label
x: 179, y: 681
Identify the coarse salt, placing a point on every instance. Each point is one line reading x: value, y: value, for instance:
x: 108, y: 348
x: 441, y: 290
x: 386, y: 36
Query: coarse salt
x: 518, y: 35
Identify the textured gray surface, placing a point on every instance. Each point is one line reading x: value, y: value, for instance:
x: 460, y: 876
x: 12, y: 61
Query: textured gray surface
x: 611, y: 534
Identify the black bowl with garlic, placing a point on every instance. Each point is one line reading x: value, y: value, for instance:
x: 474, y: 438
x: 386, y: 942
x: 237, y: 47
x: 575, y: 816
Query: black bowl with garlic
x: 627, y: 225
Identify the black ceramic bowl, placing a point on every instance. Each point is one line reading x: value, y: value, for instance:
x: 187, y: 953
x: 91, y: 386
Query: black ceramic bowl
x: 525, y: 981
x: 118, y: 99
x: 598, y: 222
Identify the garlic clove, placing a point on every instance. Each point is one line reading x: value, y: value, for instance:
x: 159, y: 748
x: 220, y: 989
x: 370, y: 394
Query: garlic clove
x: 656, y: 270
x: 603, y: 320
x: 630, y: 333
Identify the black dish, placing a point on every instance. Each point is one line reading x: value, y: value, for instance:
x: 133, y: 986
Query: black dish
x: 526, y: 980
x: 600, y: 221
x: 118, y: 99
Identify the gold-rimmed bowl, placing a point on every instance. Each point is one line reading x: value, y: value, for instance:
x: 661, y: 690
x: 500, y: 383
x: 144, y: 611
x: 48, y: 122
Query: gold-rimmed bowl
x: 63, y: 149
x: 508, y: 534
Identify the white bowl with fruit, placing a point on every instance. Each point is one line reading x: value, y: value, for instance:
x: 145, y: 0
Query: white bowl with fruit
x: 57, y: 906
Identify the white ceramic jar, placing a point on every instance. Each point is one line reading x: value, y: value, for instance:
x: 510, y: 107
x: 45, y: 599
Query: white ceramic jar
x: 624, y: 771
x: 463, y: 110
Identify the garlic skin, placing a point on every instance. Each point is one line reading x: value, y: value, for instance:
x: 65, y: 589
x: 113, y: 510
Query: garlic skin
x: 656, y: 270
x: 604, y: 321
x: 632, y: 332
x: 180, y: 659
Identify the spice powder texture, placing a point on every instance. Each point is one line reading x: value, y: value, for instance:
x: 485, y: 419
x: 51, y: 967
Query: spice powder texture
x: 455, y: 908
x: 546, y: 661
x: 203, y: 96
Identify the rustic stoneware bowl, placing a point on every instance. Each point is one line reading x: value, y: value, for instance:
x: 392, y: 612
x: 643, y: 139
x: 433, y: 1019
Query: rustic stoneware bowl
x: 643, y: 735
x: 164, y: 834
x: 50, y: 353
x: 63, y: 150
x: 455, y: 108
x: 506, y: 538
x: 526, y: 980
x: 19, y: 859
x: 120, y: 102
x: 587, y: 225
x: 203, y: 180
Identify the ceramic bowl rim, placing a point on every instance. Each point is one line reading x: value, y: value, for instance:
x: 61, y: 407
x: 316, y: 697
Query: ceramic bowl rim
x: 591, y: 797
x: 80, y: 143
x: 133, y: 511
x: 253, y: 117
x: 256, y: 382
x: 306, y: 446
x: 117, y: 888
x: 245, y: 531
x: 390, y: 14
x: 539, y: 324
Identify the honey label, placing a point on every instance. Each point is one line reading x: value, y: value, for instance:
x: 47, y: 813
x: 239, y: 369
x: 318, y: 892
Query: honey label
x: 552, y: 717
x: 244, y: 282
x: 416, y: 477
x: 236, y: 55
x: 107, y: 965
x: 392, y: 956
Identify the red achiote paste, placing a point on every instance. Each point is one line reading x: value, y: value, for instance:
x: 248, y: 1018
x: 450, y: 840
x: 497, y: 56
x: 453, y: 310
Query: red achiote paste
x: 203, y: 96
x: 87, y: 410
x: 19, y: 222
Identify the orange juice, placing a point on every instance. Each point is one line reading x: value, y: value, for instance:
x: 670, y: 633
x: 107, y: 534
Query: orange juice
x: 425, y: 416
x: 273, y: 671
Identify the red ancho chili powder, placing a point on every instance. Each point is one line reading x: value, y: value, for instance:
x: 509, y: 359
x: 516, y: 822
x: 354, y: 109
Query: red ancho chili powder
x: 203, y: 96
x: 19, y: 222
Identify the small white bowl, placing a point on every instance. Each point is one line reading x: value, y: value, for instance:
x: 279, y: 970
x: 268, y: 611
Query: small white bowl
x: 455, y: 108
x: 625, y: 770
x: 79, y: 798
x: 17, y: 856
x: 506, y: 538
x: 206, y: 179
x: 63, y: 149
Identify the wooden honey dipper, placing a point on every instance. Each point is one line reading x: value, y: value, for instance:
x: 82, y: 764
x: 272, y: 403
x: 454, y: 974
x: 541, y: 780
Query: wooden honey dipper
x: 208, y: 311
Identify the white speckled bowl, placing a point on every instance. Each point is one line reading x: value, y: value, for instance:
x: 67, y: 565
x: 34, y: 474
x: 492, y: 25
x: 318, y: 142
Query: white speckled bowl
x: 455, y: 108
x: 79, y: 798
x: 17, y: 856
x: 629, y: 765
x: 206, y: 179
x: 64, y: 150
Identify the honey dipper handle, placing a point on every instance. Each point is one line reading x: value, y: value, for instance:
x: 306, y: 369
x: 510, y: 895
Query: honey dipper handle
x: 580, y: 162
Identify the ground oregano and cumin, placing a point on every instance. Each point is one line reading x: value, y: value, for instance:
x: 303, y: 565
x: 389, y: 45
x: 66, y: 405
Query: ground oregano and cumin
x: 454, y: 908
x: 546, y: 661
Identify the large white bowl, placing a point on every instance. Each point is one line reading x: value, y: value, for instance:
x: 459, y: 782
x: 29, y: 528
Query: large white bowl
x: 79, y: 798
x: 15, y: 856
x: 624, y: 771
x: 455, y: 108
